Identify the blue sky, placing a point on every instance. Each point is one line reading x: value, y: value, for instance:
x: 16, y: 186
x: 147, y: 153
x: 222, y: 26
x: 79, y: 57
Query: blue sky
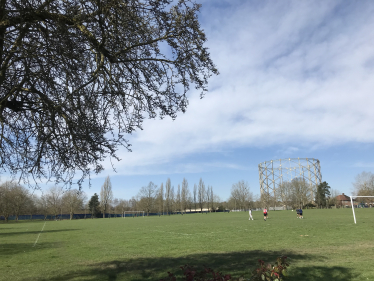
x: 296, y: 80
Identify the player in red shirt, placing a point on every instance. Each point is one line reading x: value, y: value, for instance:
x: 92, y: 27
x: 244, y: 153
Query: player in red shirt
x: 265, y: 214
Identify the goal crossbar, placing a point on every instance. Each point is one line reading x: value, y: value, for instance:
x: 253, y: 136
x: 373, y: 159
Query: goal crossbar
x: 132, y: 212
x: 353, y: 208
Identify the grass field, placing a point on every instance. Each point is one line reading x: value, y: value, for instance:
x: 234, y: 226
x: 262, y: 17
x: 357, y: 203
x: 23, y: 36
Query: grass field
x: 325, y: 245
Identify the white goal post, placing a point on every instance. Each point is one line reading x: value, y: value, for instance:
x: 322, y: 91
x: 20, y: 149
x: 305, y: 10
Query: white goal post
x: 138, y: 213
x: 353, y: 208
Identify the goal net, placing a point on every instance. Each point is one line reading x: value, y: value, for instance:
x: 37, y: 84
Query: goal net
x: 133, y: 214
x: 353, y: 208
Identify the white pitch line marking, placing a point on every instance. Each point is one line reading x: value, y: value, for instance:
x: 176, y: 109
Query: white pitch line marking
x: 36, y: 241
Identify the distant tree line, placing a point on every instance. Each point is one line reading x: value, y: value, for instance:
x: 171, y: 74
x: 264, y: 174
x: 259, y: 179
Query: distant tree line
x: 168, y: 199
x: 16, y: 200
x: 298, y: 193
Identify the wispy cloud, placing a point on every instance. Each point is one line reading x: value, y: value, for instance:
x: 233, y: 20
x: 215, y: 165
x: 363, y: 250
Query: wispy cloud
x: 367, y: 165
x: 298, y: 74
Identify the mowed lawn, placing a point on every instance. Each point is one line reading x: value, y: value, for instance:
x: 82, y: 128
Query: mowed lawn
x: 325, y: 245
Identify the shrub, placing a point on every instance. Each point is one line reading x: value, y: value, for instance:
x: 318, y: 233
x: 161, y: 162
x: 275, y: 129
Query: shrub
x: 265, y: 272
x: 221, y: 208
x: 310, y: 205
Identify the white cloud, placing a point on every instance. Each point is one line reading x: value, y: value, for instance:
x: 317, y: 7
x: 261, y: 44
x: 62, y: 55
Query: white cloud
x: 298, y: 74
x: 368, y: 165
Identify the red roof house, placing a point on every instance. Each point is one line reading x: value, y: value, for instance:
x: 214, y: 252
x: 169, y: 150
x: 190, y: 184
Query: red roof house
x: 344, y: 200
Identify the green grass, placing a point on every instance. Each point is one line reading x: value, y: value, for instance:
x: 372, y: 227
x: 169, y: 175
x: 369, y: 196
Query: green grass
x: 325, y: 245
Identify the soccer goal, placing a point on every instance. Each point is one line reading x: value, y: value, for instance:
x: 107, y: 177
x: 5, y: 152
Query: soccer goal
x: 353, y: 208
x: 133, y: 214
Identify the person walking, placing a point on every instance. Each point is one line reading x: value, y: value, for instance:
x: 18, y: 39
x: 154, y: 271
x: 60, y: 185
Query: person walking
x: 265, y: 214
x: 250, y: 214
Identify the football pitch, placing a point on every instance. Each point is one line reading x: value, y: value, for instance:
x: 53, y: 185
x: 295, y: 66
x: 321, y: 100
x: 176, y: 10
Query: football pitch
x: 325, y: 245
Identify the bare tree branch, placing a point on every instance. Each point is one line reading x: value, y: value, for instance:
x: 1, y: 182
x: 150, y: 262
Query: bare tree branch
x: 77, y: 76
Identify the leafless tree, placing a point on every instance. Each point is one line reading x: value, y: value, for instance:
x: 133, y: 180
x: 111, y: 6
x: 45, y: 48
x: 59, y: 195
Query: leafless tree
x: 216, y: 201
x: 257, y: 203
x: 106, y: 196
x: 14, y: 199
x: 241, y: 195
x: 114, y: 205
x: 172, y: 200
x: 334, y: 194
x: 207, y: 197
x: 31, y: 207
x: 53, y: 198
x: 212, y: 198
x: 190, y: 202
x: 6, y: 200
x: 195, y: 196
x: 42, y: 205
x: 285, y: 193
x: 364, y: 186
x: 73, y: 200
x: 178, y: 199
x: 168, y: 196
x: 133, y: 204
x: 20, y: 199
x: 184, y: 195
x: 77, y: 75
x: 231, y: 203
x: 160, y: 199
x: 300, y: 192
x: 122, y: 206
x: 147, y: 196
x: 201, y: 194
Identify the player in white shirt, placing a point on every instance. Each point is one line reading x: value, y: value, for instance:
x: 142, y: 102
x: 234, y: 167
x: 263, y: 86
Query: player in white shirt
x: 250, y: 214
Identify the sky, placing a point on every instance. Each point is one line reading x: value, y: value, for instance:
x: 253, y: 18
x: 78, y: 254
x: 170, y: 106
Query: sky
x: 296, y: 80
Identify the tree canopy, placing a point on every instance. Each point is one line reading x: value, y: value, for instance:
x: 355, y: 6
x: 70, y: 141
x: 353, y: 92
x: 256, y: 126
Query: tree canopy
x: 323, y: 192
x: 94, y: 205
x: 364, y: 185
x: 76, y: 76
x: 241, y: 194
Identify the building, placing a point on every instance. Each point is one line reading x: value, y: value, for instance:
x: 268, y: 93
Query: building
x: 344, y: 200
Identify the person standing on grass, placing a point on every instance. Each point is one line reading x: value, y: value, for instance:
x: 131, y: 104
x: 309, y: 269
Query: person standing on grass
x: 250, y: 214
x: 265, y: 214
x: 301, y: 213
x: 297, y: 213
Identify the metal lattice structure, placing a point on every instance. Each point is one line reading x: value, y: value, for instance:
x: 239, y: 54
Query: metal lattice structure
x: 274, y: 173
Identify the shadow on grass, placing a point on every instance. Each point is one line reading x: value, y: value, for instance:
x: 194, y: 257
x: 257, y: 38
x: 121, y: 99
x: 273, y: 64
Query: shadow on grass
x: 336, y: 273
x: 234, y: 263
x: 34, y: 232
x: 20, y: 248
x: 9, y: 222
